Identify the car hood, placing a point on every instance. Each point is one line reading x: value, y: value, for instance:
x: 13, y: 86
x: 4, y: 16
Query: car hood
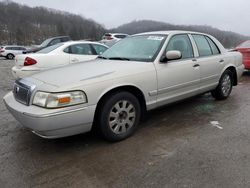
x: 92, y: 71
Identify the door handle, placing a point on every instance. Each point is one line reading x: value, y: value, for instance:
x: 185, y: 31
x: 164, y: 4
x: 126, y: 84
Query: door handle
x: 221, y: 61
x: 196, y: 65
x: 74, y: 60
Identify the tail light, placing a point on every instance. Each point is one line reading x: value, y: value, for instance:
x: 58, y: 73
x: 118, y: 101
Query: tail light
x: 29, y: 61
x: 1, y: 51
x: 109, y: 38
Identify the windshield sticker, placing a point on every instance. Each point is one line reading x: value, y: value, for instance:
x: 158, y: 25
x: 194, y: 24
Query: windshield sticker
x: 155, y: 38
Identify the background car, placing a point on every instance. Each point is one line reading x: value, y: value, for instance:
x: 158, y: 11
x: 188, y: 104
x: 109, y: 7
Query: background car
x: 57, y: 55
x: 9, y: 52
x: 110, y: 39
x: 47, y: 43
x: 244, y: 48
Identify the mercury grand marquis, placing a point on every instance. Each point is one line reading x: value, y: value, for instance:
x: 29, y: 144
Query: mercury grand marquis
x: 111, y: 93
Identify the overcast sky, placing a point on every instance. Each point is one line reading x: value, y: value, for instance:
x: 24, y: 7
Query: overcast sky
x: 229, y: 15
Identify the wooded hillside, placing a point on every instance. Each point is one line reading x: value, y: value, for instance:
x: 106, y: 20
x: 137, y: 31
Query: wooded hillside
x: 227, y: 38
x: 24, y: 25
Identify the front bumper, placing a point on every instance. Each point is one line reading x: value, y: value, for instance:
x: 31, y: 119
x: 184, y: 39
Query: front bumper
x: 51, y: 123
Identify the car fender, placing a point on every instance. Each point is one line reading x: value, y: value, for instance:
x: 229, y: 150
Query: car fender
x: 115, y: 86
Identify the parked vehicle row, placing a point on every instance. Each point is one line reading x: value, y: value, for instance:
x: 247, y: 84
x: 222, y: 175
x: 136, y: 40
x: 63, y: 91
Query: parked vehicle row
x: 48, y: 42
x: 138, y: 74
x: 57, y: 55
x: 9, y: 52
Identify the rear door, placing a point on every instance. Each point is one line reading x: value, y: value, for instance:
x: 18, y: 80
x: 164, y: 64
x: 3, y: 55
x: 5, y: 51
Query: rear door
x: 178, y: 79
x: 210, y: 60
x: 81, y: 52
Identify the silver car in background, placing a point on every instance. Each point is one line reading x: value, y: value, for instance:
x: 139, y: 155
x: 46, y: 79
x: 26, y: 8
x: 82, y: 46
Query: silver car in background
x: 140, y: 73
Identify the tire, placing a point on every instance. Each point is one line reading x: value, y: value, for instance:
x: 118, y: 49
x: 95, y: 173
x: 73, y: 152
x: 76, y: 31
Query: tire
x: 119, y: 116
x: 10, y: 56
x: 224, y: 89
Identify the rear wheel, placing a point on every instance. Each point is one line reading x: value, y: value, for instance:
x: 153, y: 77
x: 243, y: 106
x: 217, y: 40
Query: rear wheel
x: 119, y: 116
x: 10, y: 56
x: 223, y: 90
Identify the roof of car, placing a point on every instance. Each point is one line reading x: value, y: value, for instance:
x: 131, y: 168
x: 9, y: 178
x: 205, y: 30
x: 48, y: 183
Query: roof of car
x: 167, y: 32
x: 82, y: 41
x: 115, y: 34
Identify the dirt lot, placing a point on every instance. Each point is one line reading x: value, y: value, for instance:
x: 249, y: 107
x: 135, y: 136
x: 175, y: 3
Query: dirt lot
x: 176, y: 147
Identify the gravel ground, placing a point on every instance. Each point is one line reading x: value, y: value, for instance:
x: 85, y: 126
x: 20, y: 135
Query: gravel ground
x: 177, y: 146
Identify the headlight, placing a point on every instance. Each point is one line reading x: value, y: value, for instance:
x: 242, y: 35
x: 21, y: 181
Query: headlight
x: 57, y: 100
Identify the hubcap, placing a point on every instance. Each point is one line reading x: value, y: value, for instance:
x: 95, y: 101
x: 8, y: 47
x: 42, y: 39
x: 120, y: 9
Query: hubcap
x: 122, y: 117
x: 226, y: 85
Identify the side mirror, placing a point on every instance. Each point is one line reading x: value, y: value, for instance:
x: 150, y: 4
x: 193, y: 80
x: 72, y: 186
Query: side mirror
x: 173, y: 55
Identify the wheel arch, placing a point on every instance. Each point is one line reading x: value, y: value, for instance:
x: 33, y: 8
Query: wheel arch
x: 10, y: 54
x: 234, y: 73
x: 129, y: 88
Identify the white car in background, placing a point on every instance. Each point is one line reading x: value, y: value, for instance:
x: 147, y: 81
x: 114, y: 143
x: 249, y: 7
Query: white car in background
x: 57, y: 55
x: 110, y: 39
x: 9, y: 52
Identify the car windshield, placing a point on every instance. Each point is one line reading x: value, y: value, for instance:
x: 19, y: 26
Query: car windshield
x: 45, y: 43
x: 245, y: 44
x: 49, y: 49
x: 137, y: 48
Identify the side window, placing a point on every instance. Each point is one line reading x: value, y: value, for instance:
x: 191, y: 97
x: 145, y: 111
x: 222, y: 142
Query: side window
x: 99, y: 48
x: 202, y: 45
x: 81, y: 49
x: 181, y: 43
x: 66, y: 50
x: 55, y: 41
x: 213, y: 46
x: 8, y: 48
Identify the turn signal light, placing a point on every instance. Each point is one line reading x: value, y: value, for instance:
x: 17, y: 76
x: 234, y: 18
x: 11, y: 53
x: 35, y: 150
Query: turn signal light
x: 64, y: 100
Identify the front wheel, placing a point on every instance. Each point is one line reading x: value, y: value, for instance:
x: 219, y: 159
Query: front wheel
x: 223, y: 90
x: 119, y: 116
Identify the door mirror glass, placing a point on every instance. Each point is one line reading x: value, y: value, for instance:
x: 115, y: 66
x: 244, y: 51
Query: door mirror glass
x: 173, y: 55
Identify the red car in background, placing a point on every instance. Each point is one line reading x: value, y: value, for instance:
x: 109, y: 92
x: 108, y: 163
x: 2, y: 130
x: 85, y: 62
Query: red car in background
x: 244, y: 48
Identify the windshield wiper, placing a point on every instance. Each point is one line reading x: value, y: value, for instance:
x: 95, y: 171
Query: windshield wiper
x: 119, y: 58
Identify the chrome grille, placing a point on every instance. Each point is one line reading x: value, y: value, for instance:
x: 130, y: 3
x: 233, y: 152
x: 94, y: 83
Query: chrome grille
x: 22, y: 92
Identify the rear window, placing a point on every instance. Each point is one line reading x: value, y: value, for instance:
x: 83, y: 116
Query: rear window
x: 99, y: 48
x: 245, y: 44
x: 50, y: 48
